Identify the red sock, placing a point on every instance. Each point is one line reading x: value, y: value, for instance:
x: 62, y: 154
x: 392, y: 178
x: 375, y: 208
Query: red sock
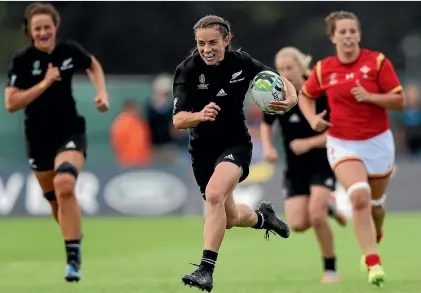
x: 372, y: 260
x: 379, y: 236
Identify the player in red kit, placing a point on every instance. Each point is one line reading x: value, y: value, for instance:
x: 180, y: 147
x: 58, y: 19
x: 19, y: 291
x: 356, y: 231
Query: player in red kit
x: 361, y: 86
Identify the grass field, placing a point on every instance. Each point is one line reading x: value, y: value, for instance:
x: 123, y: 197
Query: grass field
x: 151, y: 255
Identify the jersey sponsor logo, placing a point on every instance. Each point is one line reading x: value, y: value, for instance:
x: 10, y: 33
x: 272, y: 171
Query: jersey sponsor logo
x: 221, y: 93
x: 36, y: 68
x: 202, y: 85
x: 235, y: 76
x: 67, y: 64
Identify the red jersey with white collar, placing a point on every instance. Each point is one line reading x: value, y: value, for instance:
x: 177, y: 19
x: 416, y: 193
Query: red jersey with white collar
x: 354, y: 120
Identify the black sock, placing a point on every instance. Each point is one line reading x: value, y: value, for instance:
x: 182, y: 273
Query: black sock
x: 209, y: 259
x: 260, y: 221
x: 73, y: 250
x: 329, y: 263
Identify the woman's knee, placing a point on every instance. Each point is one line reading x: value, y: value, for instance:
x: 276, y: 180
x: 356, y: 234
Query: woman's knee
x: 65, y: 179
x: 214, y: 195
x: 296, y: 209
x: 317, y: 216
x: 222, y: 183
x: 299, y: 222
x: 360, y: 195
x: 299, y: 226
x: 318, y: 206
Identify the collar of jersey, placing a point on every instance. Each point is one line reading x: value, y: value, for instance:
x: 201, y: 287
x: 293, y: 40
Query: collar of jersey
x: 58, y: 43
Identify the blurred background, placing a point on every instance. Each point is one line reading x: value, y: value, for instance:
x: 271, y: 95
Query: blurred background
x: 139, y: 45
x: 144, y: 215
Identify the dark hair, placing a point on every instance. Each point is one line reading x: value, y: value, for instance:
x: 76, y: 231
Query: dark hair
x: 334, y: 16
x: 36, y: 9
x: 218, y: 23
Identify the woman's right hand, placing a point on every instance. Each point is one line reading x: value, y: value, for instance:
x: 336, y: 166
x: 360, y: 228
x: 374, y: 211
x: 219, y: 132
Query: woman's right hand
x: 318, y: 123
x: 52, y: 74
x: 209, y: 112
x: 271, y: 154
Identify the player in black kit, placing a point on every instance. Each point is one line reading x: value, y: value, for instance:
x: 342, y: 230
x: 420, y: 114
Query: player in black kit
x: 309, y: 179
x: 209, y: 91
x: 39, y: 81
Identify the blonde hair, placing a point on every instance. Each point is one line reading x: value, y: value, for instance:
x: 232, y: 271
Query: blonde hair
x: 163, y: 81
x: 302, y: 60
x: 334, y: 16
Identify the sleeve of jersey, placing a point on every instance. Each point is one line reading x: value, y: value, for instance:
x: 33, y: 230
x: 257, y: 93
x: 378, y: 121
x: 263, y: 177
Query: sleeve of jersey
x: 312, y: 86
x: 182, y: 101
x: 83, y: 59
x: 388, y: 80
x: 257, y: 67
x: 14, y: 75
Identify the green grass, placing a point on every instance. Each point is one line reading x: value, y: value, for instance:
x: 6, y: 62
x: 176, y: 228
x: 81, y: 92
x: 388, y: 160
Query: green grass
x: 151, y: 255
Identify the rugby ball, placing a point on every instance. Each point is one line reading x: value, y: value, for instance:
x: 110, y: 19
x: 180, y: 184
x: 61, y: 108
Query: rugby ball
x: 265, y: 87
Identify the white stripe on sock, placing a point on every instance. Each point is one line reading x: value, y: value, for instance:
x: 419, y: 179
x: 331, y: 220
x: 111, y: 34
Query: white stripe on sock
x: 208, y: 260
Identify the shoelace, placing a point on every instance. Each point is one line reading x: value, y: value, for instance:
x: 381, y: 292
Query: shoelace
x: 199, y: 268
x: 267, y: 233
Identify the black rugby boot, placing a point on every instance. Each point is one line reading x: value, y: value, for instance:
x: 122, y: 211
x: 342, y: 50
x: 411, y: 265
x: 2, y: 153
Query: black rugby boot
x: 271, y: 222
x: 201, y: 278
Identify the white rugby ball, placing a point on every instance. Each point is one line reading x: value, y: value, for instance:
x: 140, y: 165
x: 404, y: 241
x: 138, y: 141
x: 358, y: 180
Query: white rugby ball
x: 265, y: 87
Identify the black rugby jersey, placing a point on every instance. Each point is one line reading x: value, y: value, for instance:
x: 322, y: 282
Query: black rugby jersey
x: 52, y: 115
x: 294, y: 126
x: 197, y: 84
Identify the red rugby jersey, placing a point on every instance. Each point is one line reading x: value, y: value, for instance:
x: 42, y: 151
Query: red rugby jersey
x: 353, y: 120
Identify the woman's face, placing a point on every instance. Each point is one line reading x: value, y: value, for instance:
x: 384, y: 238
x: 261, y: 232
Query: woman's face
x: 288, y: 67
x: 346, y: 36
x: 43, y: 31
x: 211, y: 44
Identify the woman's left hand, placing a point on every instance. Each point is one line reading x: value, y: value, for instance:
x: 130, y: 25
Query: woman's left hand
x: 285, y: 105
x: 101, y: 102
x: 360, y: 93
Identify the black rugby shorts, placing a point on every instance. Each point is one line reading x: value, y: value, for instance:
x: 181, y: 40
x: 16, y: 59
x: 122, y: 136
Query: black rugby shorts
x: 204, y: 166
x: 299, y: 182
x: 41, y: 155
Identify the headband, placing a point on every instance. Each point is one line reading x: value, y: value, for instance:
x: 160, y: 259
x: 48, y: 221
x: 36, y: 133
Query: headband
x: 221, y: 24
